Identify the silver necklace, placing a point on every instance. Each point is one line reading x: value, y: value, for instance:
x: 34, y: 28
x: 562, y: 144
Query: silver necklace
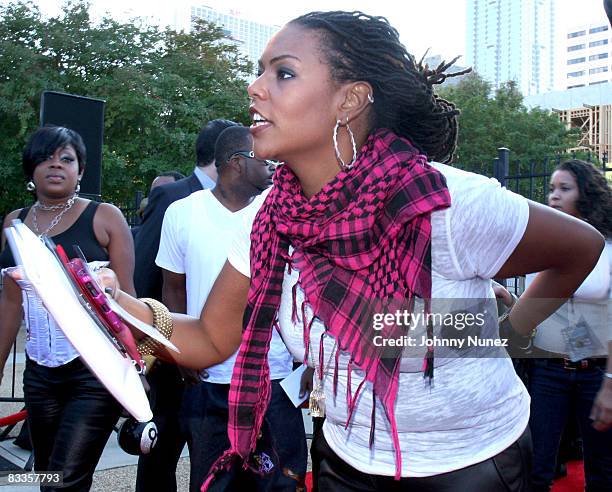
x: 59, y: 206
x: 316, y: 402
x: 56, y: 220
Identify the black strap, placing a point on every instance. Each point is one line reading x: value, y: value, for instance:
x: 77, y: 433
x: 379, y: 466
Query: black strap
x: 23, y: 213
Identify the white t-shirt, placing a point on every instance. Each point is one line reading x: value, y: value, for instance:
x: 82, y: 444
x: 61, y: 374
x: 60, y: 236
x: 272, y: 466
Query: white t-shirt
x: 477, y: 407
x: 582, y: 327
x: 196, y: 235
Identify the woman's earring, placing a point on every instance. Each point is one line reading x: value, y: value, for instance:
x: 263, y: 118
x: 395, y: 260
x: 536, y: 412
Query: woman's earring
x: 370, y: 98
x: 31, y: 186
x: 348, y: 129
x: 78, y: 187
x: 343, y: 164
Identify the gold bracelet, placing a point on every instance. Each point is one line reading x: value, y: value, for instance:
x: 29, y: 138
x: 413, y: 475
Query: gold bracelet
x: 162, y: 322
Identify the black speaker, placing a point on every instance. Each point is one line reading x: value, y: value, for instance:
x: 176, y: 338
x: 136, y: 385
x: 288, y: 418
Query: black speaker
x: 84, y: 115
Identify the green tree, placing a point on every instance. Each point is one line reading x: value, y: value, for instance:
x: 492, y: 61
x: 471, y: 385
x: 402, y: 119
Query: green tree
x: 160, y: 87
x: 490, y: 120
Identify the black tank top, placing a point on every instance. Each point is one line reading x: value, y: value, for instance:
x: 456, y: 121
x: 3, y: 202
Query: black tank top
x: 81, y: 233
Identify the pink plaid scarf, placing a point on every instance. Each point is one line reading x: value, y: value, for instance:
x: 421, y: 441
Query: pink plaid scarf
x: 366, y: 236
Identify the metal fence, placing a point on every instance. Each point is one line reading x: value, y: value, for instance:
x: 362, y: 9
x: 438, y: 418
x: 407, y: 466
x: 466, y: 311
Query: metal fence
x: 529, y: 180
x: 130, y: 211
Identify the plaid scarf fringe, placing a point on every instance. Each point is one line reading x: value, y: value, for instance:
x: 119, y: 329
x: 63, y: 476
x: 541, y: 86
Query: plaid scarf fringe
x: 366, y: 235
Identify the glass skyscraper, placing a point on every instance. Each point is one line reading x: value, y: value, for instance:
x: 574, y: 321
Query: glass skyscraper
x: 512, y: 40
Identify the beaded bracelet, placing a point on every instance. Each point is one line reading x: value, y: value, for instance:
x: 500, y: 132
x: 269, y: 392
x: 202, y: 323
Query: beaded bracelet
x: 162, y: 321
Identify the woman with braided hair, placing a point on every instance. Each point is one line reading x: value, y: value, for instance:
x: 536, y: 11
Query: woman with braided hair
x: 364, y: 216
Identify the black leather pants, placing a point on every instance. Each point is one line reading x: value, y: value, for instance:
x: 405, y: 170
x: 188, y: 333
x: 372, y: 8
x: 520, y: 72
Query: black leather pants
x: 71, y: 416
x: 509, y: 471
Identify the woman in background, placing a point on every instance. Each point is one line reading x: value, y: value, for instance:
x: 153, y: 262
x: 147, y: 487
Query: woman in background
x: 70, y: 414
x: 572, y: 372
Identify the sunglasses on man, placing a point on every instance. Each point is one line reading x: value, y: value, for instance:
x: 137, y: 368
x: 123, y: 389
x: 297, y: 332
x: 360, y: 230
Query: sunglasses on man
x: 251, y: 155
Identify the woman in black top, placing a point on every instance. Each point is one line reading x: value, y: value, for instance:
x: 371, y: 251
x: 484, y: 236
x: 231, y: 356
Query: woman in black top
x: 70, y: 413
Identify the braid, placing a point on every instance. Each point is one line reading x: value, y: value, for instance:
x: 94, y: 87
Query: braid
x: 362, y: 47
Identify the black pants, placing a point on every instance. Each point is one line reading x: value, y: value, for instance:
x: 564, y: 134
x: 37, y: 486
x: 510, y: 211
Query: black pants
x: 317, y: 433
x: 157, y: 470
x: 506, y: 472
x: 205, y: 416
x: 71, y: 416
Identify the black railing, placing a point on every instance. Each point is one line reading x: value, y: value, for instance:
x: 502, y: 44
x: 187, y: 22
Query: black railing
x: 130, y: 211
x: 527, y: 179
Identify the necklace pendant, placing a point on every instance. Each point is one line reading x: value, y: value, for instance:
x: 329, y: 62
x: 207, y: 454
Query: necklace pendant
x: 316, y: 402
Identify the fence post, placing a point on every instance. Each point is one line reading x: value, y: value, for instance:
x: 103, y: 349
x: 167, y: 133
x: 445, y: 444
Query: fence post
x: 501, y: 165
x: 501, y: 169
x: 137, y: 199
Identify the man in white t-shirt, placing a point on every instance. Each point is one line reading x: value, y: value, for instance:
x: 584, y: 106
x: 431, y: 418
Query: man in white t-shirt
x: 197, y: 233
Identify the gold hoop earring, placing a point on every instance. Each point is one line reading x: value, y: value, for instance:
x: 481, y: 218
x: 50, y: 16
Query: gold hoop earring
x: 343, y: 164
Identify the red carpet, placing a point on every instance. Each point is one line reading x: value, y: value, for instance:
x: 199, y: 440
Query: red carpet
x: 574, y: 482
x: 309, y: 481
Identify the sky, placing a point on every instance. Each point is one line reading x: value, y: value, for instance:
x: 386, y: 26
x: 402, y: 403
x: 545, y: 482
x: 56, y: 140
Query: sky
x: 437, y: 25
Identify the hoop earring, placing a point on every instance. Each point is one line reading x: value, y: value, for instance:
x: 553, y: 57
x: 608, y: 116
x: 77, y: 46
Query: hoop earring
x: 343, y: 164
x: 370, y: 98
x: 78, y: 187
x: 31, y: 187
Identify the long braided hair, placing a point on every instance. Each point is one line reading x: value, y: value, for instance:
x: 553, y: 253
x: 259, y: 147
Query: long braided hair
x: 357, y: 47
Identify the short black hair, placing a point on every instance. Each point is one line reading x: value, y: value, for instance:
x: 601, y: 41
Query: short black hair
x: 232, y: 139
x: 360, y: 47
x: 594, y: 202
x: 173, y: 174
x: 45, y: 141
x: 205, y: 143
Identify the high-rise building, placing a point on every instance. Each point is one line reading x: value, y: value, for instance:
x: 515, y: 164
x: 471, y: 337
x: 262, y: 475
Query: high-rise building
x: 512, y: 40
x: 251, y: 37
x: 588, y: 55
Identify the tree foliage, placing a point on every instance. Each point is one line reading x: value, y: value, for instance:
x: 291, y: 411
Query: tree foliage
x: 500, y: 119
x: 160, y: 87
